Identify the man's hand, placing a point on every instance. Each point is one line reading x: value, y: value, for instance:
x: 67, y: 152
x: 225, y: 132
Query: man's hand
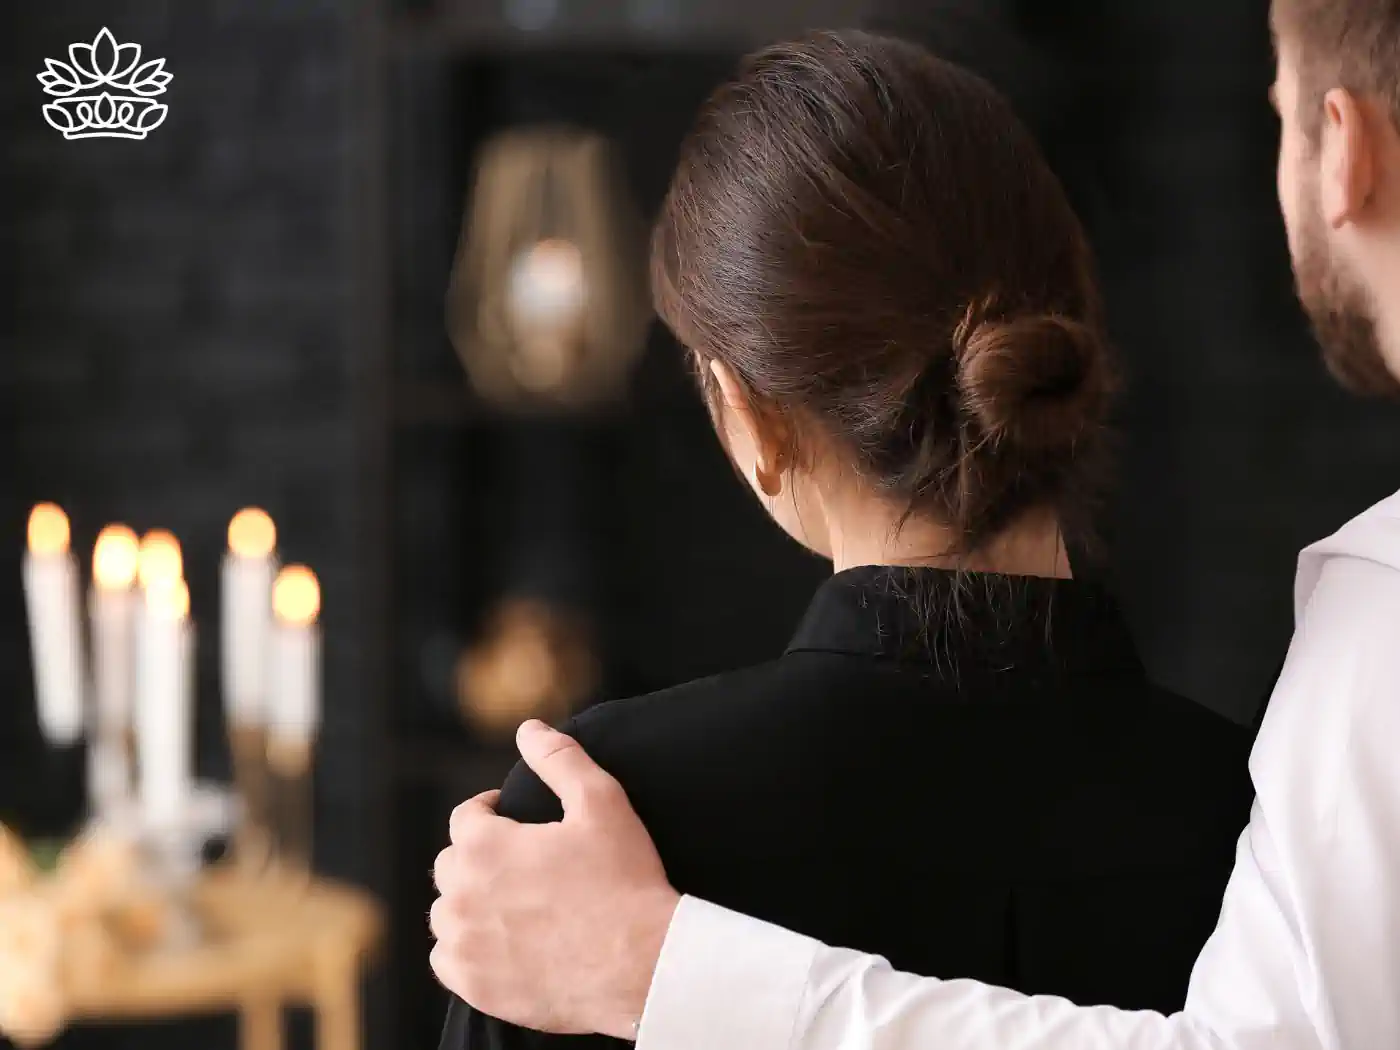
x: 555, y: 927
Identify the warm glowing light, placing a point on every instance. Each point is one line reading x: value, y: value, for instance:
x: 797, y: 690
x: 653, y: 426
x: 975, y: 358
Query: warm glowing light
x: 546, y: 284
x: 168, y: 598
x: 181, y: 594
x: 48, y: 530
x: 159, y: 560
x: 296, y: 596
x: 251, y: 533
x: 114, y: 558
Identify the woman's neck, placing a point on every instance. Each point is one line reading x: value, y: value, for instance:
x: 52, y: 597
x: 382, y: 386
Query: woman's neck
x: 1033, y: 546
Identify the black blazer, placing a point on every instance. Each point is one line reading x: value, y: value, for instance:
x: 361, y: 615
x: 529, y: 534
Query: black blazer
x: 967, y: 775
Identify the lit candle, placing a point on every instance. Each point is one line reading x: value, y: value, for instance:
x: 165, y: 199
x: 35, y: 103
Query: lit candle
x: 294, y: 684
x: 51, y: 597
x: 247, y: 614
x: 246, y: 596
x: 294, y: 713
x: 159, y: 563
x: 159, y: 559
x: 164, y: 709
x: 112, y: 608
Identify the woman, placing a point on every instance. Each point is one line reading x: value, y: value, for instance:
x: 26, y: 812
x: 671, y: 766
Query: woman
x: 892, y: 314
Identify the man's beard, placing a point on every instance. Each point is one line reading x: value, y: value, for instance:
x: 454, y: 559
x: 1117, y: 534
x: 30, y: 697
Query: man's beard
x: 1343, y: 317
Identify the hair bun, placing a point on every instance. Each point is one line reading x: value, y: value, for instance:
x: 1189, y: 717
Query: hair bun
x: 1034, y: 382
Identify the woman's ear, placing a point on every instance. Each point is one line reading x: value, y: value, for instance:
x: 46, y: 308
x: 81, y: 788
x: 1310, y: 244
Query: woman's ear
x: 729, y: 390
x: 761, y: 432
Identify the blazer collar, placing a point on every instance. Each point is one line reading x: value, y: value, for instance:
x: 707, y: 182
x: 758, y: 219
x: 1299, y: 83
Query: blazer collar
x: 968, y: 621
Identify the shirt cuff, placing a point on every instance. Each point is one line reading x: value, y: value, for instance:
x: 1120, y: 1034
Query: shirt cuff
x: 725, y: 980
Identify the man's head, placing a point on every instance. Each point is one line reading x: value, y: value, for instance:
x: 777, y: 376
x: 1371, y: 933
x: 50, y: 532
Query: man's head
x: 1338, y: 95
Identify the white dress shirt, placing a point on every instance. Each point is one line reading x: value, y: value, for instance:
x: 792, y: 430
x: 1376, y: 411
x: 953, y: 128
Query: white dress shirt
x: 1305, y: 956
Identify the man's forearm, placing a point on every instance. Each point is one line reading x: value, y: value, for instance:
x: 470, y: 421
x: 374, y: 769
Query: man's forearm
x: 728, y: 980
x: 857, y: 1002
x: 746, y: 978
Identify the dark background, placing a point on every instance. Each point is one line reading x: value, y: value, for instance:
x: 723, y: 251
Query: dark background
x: 247, y: 308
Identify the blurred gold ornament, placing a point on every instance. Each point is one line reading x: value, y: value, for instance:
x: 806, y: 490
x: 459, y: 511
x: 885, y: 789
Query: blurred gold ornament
x: 533, y: 662
x: 32, y: 1008
x: 17, y: 870
x: 95, y: 873
x: 30, y: 932
x: 80, y: 943
x: 547, y: 301
x: 91, y: 953
x: 31, y: 984
x: 142, y: 921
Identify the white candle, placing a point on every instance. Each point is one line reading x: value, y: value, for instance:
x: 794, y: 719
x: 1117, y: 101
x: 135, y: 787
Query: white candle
x: 159, y: 563
x: 112, y: 605
x: 112, y: 608
x: 51, y: 598
x: 294, y: 693
x: 164, y: 711
x: 188, y: 684
x: 164, y: 727
x: 246, y: 624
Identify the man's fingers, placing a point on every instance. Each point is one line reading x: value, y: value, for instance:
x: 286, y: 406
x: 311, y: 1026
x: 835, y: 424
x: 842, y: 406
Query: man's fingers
x: 445, y: 968
x: 438, y: 917
x: 469, y: 813
x: 565, y: 768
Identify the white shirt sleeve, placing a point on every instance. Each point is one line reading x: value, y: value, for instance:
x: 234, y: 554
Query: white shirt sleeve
x: 1306, y: 954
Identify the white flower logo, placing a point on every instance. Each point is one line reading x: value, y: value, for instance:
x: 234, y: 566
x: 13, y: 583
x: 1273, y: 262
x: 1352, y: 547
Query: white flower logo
x: 88, y: 109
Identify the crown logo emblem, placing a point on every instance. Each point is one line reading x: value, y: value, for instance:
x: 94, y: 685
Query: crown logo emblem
x: 105, y: 90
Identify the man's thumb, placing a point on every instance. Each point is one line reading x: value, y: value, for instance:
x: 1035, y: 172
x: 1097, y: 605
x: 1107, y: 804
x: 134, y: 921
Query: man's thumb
x: 564, y: 766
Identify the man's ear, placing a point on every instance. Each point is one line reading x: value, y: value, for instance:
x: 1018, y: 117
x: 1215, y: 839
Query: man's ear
x: 1348, y: 155
x: 764, y: 429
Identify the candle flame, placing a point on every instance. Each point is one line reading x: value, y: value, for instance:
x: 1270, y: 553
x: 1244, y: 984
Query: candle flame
x: 48, y: 530
x: 181, y: 604
x: 114, y: 558
x: 159, y: 560
x: 168, y: 598
x: 251, y: 533
x: 296, y: 596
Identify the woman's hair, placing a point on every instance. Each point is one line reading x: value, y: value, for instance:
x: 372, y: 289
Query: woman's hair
x: 869, y: 240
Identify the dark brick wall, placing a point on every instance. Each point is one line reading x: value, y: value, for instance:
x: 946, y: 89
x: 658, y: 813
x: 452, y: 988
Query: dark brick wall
x: 176, y: 337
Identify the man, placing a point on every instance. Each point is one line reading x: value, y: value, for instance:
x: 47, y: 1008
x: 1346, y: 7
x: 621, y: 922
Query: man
x: 572, y: 927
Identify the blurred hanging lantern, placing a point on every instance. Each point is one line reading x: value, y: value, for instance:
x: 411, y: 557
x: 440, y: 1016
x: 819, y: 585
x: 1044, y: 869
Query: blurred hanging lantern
x: 534, y: 661
x: 547, y: 302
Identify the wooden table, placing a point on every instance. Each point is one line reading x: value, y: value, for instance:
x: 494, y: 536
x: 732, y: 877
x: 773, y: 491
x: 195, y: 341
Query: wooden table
x: 270, y: 945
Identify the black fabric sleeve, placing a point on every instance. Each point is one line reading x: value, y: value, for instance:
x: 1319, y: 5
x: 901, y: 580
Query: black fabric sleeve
x: 524, y: 798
